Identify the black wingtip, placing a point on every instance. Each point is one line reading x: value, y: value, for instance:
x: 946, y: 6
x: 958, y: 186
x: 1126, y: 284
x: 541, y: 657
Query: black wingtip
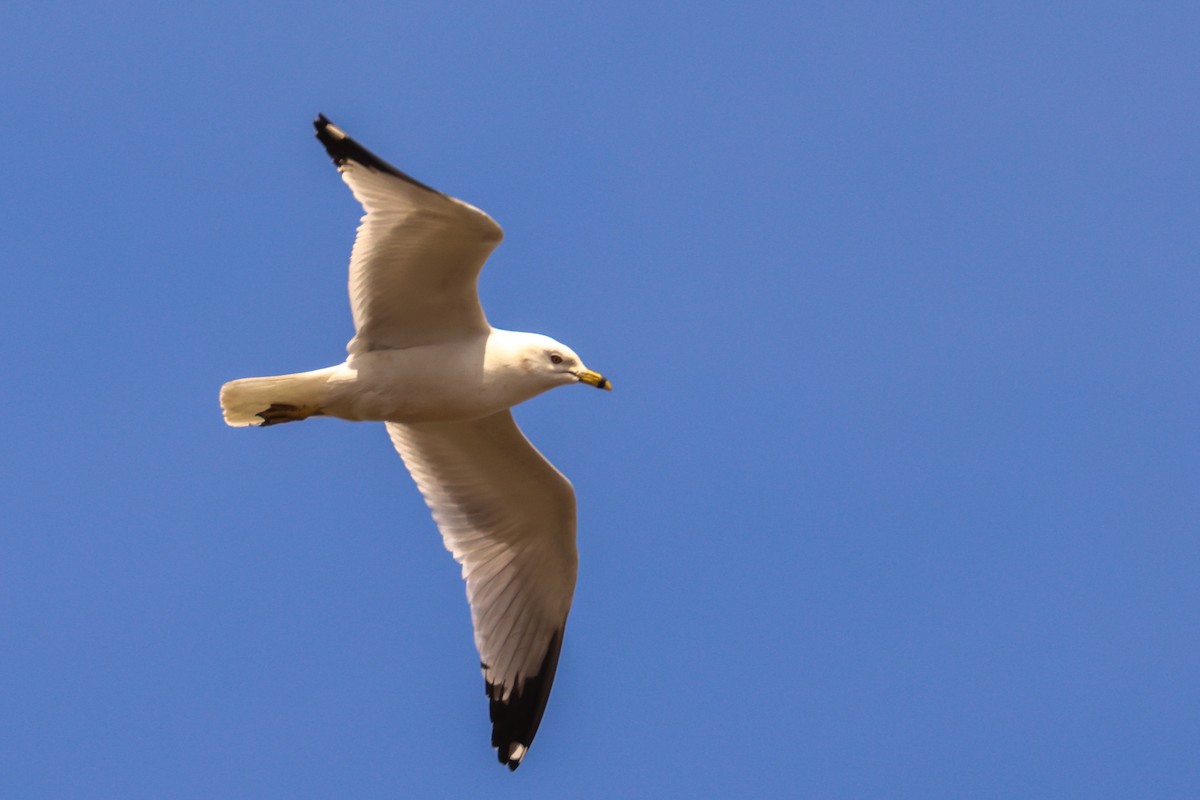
x: 515, y: 721
x: 341, y: 148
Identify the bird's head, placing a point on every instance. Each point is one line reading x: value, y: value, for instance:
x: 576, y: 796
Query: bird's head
x: 558, y: 364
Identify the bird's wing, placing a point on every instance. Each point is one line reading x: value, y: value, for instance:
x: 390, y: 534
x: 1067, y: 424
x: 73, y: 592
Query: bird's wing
x: 508, y: 516
x: 416, y: 260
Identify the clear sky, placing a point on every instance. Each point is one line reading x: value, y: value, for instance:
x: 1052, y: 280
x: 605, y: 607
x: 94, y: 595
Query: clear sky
x: 898, y: 492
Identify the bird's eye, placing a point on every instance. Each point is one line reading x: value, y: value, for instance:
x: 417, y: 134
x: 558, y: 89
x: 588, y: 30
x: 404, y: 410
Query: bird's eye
x: 555, y: 358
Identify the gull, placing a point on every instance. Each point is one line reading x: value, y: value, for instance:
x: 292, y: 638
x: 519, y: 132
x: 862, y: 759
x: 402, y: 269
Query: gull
x: 425, y: 361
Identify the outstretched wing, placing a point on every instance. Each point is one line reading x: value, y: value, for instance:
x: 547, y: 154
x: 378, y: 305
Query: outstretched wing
x: 508, y: 516
x: 416, y: 260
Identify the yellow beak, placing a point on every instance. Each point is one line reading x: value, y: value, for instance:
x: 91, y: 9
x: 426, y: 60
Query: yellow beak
x: 594, y: 379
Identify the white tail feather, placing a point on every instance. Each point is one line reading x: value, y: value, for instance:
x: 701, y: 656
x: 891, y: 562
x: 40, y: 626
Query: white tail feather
x: 243, y: 400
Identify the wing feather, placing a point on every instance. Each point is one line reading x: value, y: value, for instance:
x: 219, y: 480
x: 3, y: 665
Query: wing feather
x: 508, y: 516
x: 417, y: 256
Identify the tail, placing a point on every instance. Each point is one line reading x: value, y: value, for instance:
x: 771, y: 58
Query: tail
x: 279, y: 398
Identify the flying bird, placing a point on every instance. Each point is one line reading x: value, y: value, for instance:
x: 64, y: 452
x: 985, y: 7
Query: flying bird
x: 425, y: 361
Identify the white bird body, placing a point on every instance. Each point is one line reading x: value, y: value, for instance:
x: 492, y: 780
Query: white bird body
x: 425, y: 361
x: 444, y: 382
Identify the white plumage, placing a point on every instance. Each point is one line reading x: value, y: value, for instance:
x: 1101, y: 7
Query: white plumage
x: 425, y: 361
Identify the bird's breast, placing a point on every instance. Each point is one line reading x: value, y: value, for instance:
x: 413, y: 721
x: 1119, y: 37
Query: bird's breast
x: 437, y: 383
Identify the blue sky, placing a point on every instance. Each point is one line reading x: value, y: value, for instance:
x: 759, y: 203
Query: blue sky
x: 897, y: 492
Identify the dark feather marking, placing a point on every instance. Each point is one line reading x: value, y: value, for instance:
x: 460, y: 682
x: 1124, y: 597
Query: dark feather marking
x: 346, y: 149
x: 516, y: 721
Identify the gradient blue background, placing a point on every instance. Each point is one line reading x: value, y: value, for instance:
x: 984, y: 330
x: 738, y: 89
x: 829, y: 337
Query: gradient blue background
x: 897, y: 494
